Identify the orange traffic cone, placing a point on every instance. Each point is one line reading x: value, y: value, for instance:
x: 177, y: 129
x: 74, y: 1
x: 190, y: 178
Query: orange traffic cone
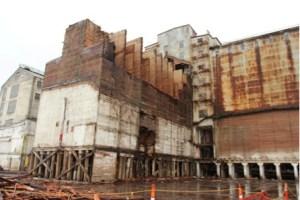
x: 153, y: 191
x: 96, y: 196
x: 286, y: 192
x: 241, y: 196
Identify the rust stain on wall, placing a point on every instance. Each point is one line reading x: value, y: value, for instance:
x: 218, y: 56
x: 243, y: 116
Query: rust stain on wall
x: 259, y: 73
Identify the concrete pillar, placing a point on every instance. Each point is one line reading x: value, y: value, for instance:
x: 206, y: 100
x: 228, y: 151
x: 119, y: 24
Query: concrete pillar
x: 278, y: 171
x: 295, y: 166
x: 261, y: 170
x: 231, y: 170
x: 280, y: 189
x: 198, y: 169
x: 218, y: 166
x: 246, y: 170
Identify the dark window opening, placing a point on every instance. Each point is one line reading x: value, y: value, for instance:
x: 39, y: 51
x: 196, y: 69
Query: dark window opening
x: 254, y: 170
x: 270, y: 171
x: 207, y: 152
x: 39, y: 84
x: 206, y: 136
x: 208, y: 169
x: 287, y: 171
x: 239, y: 170
x: 224, y: 170
x: 37, y: 96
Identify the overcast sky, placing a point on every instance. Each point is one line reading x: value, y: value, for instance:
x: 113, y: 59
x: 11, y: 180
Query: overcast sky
x: 32, y: 31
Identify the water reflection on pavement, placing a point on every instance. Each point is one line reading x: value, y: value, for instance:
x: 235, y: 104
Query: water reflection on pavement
x: 214, y: 189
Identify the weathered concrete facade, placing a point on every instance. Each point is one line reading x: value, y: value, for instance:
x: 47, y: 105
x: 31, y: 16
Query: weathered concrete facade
x: 19, y: 96
x: 110, y: 108
x: 187, y: 105
x: 248, y: 92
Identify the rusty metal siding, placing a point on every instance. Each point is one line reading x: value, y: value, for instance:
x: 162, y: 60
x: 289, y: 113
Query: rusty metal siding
x: 262, y: 136
x: 257, y: 74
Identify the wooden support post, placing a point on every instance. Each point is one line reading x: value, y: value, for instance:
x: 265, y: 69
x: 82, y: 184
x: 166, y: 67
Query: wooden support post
x: 120, y: 175
x: 130, y: 168
x: 146, y: 167
x: 31, y: 160
x: 160, y: 168
x: 59, y: 163
x: 52, y: 165
x: 41, y: 166
x: 86, y: 166
x: 173, y: 168
x: 35, y: 161
x: 79, y: 171
x: 46, y: 173
x: 65, y: 163
x: 70, y: 161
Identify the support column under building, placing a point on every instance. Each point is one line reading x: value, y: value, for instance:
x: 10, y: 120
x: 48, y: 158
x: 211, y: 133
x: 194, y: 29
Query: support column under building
x: 278, y: 171
x: 261, y: 170
x: 231, y: 170
x: 295, y: 166
x: 246, y: 170
x: 198, y: 169
x: 218, y: 167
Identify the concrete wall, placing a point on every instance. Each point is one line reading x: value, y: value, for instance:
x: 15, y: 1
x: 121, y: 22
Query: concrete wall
x: 257, y: 73
x: 176, y: 42
x: 117, y: 123
x: 15, y: 144
x: 17, y: 128
x: 256, y: 97
x: 72, y: 113
x: 270, y: 136
x: 202, y: 82
x: 26, y: 103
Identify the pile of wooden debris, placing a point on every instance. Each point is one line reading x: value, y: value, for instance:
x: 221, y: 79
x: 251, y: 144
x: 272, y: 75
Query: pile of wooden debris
x: 24, y: 188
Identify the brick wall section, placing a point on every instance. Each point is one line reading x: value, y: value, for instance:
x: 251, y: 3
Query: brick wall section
x: 89, y: 55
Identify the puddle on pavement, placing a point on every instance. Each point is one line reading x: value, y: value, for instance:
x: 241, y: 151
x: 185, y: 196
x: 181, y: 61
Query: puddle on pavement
x: 216, y: 189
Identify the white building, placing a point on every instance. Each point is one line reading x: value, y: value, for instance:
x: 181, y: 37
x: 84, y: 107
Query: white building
x: 19, y: 102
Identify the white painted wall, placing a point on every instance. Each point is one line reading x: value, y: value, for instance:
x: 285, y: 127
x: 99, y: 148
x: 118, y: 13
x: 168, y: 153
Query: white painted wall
x: 171, y: 40
x: 118, y: 123
x: 15, y: 143
x: 173, y: 138
x: 81, y: 114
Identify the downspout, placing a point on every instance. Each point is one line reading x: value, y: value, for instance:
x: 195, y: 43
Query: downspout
x: 63, y: 122
x: 31, y: 98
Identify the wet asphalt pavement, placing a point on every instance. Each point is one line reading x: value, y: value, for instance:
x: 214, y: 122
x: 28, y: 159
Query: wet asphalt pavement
x: 201, y: 189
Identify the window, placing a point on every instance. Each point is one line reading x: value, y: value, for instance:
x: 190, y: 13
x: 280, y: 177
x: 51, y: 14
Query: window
x: 1, y: 108
x: 14, y: 91
x: 4, y: 94
x: 37, y: 96
x: 39, y: 84
x: 11, y: 107
x: 200, y: 40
